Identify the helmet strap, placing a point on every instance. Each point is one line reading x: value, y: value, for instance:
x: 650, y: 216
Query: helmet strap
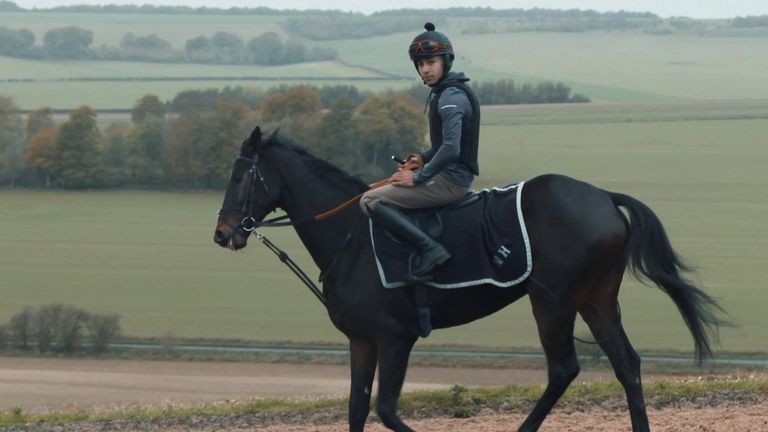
x: 447, y: 63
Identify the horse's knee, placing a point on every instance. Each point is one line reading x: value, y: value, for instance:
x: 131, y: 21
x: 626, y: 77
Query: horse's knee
x: 565, y: 372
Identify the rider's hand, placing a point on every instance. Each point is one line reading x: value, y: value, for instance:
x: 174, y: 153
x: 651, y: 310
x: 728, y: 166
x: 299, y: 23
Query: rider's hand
x: 403, y: 178
x: 413, y: 161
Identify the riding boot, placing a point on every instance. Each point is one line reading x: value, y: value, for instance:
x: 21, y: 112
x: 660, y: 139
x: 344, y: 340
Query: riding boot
x: 430, y: 253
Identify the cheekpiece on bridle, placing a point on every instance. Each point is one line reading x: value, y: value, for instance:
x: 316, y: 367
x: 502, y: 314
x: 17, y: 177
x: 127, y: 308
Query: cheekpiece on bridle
x: 248, y: 223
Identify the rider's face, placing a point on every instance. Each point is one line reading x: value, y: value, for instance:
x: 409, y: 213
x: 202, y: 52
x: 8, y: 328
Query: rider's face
x: 431, y: 69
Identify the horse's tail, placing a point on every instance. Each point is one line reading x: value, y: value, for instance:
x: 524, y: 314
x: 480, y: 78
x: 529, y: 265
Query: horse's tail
x: 650, y: 256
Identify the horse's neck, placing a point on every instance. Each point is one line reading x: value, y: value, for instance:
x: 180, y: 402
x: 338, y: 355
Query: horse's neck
x: 323, y: 239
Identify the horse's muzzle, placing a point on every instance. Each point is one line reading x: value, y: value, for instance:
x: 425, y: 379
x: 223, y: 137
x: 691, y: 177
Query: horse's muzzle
x: 229, y: 238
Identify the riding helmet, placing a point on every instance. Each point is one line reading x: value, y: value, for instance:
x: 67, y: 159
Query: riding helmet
x: 429, y: 44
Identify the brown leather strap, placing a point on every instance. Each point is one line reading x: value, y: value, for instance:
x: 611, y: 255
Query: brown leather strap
x: 334, y: 211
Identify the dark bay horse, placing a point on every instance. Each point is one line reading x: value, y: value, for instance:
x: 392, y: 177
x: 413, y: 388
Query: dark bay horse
x: 581, y: 244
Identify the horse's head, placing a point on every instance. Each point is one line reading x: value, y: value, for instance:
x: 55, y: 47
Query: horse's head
x: 252, y: 193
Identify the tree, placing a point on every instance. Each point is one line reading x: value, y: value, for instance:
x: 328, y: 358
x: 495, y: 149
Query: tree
x: 266, y: 49
x: 143, y: 42
x: 21, y: 328
x: 40, y: 118
x: 229, y: 47
x: 199, y: 49
x: 68, y: 42
x: 336, y: 137
x: 331, y: 94
x: 79, y: 147
x: 11, y: 141
x: 47, y: 321
x: 115, y: 154
x: 148, y: 104
x: 296, y: 102
x: 144, y: 151
x: 103, y: 329
x: 16, y: 43
x: 70, y: 330
x: 229, y: 121
x: 43, y: 152
x: 146, y: 48
x: 293, y: 52
x: 190, y: 138
x: 389, y: 125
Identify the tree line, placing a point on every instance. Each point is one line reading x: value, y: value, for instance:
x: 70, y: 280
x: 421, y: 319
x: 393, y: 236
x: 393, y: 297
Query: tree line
x: 751, y: 21
x: 189, y: 142
x: 75, y: 43
x: 59, y: 327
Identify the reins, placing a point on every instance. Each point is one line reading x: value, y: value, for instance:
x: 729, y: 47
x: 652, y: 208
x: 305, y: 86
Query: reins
x: 282, y: 221
x: 383, y: 182
x: 293, y: 266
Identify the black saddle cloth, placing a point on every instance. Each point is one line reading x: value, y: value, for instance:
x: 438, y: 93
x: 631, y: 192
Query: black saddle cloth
x: 484, y: 232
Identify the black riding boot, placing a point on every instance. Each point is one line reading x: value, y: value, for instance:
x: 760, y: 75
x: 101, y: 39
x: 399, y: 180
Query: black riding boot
x: 430, y: 253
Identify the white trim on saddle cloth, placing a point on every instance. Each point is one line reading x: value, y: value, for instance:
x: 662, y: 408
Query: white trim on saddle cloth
x: 491, y: 281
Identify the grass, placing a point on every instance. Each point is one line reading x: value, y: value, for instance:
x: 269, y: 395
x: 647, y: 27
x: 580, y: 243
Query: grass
x: 149, y: 257
x: 459, y: 402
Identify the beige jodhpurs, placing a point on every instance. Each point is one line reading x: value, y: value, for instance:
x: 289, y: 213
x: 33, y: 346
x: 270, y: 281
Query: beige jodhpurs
x: 435, y: 192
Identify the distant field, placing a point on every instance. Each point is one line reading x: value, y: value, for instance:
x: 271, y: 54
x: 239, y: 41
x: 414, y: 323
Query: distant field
x: 149, y: 255
x: 108, y: 29
x: 51, y: 87
x: 606, y: 66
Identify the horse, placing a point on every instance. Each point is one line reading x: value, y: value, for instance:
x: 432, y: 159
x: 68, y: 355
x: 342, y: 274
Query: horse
x: 581, y: 244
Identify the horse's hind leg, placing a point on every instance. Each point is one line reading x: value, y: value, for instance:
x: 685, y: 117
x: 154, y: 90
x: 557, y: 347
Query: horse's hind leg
x: 555, y: 331
x: 603, y: 317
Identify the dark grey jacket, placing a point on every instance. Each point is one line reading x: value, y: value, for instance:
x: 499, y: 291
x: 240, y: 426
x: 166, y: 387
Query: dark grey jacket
x: 454, y: 122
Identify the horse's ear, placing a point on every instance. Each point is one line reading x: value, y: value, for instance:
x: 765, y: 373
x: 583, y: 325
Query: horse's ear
x: 255, y: 137
x: 273, y: 136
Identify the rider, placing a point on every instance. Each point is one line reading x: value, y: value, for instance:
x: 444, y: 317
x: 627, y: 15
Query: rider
x: 445, y: 171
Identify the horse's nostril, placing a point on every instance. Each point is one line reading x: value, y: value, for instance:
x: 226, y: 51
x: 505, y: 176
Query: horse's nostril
x: 218, y: 237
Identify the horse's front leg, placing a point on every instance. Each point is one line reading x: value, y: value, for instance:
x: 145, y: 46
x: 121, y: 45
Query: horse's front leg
x: 363, y: 366
x: 393, y: 362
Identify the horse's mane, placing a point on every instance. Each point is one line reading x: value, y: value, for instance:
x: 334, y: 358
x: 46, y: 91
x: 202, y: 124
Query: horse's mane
x: 315, y: 165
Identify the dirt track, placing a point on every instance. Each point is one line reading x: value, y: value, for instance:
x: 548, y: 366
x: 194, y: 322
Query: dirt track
x: 753, y: 418
x: 40, y: 385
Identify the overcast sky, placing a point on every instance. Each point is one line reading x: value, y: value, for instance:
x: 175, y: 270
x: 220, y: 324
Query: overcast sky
x: 664, y: 8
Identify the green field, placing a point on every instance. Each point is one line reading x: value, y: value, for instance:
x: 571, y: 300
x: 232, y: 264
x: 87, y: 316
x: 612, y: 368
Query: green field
x: 108, y: 29
x: 606, y: 66
x: 149, y: 255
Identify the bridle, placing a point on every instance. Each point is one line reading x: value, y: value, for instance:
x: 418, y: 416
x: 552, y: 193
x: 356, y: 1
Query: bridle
x: 248, y: 223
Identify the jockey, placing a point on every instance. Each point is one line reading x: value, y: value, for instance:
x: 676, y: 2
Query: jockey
x: 445, y: 171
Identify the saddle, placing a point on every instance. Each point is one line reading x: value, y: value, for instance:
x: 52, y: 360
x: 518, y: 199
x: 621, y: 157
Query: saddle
x: 484, y: 233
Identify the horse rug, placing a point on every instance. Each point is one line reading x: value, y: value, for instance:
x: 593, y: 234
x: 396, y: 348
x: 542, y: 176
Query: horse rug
x: 484, y: 232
